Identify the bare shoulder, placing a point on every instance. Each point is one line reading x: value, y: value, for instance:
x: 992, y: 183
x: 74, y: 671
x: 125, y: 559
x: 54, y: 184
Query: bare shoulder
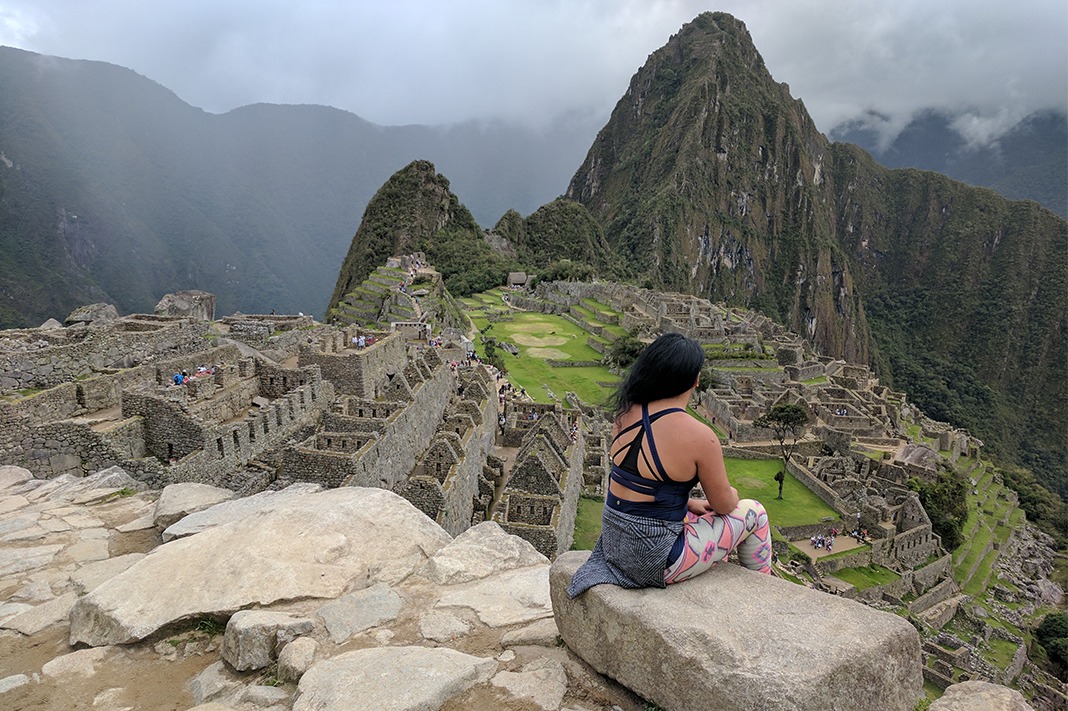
x: 684, y: 426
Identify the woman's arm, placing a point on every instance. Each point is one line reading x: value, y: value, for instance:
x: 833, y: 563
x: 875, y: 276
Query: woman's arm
x: 712, y: 473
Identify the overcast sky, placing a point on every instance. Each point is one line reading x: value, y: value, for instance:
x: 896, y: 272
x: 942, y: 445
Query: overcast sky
x: 438, y: 61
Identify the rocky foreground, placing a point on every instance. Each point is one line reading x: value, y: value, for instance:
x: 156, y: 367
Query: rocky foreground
x: 348, y: 598
x: 341, y: 595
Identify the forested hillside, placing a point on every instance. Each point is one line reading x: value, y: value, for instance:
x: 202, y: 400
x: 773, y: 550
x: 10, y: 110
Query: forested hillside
x: 1029, y: 162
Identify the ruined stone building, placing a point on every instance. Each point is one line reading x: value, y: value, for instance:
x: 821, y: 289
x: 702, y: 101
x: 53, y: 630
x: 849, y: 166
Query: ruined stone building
x: 541, y: 496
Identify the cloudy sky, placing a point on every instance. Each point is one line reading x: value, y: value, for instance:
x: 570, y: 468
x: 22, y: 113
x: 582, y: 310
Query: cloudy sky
x: 433, y: 62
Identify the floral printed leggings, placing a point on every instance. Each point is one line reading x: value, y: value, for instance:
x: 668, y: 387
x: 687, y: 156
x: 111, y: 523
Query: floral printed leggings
x: 710, y: 537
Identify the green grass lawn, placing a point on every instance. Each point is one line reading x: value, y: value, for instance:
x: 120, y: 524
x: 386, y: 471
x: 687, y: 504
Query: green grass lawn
x: 541, y: 337
x: 587, y: 524
x: 1001, y: 652
x: 868, y: 576
x: 755, y: 479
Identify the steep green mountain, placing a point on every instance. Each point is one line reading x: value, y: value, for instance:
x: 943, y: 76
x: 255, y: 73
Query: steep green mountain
x: 710, y: 178
x: 113, y: 189
x: 1028, y: 162
x: 561, y: 230
x: 416, y: 211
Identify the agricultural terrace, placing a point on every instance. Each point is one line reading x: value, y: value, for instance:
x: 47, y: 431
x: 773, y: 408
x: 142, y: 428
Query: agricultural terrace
x: 554, y: 356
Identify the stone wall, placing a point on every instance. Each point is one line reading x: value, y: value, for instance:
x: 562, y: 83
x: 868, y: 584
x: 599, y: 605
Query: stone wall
x: 389, y: 459
x: 817, y: 487
x: 359, y: 372
x: 121, y: 345
x: 939, y: 593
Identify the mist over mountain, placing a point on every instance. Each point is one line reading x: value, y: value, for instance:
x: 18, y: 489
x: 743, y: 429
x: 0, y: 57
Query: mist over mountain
x: 114, y: 189
x: 1028, y: 162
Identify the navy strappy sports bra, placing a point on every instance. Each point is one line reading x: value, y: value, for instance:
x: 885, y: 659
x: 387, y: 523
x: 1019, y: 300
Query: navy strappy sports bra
x: 669, y: 496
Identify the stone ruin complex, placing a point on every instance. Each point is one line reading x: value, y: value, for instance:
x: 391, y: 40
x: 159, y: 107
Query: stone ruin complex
x: 274, y: 400
x: 278, y: 399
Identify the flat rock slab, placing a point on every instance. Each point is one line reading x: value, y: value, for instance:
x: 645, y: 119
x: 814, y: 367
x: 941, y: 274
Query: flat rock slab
x: 734, y: 636
x: 18, y: 560
x: 81, y: 663
x: 390, y: 679
x: 44, y: 615
x: 235, y: 510
x: 510, y: 598
x: 543, y: 682
x: 359, y: 611
x: 312, y: 546
x: 177, y: 501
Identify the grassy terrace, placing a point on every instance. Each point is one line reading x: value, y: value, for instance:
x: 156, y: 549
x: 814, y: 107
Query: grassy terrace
x: 867, y: 576
x: 755, y: 479
x: 541, y: 338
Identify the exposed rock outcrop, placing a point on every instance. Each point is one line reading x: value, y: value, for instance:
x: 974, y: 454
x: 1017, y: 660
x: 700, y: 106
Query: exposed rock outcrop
x: 188, y: 304
x: 92, y: 313
x: 314, y: 546
x: 732, y: 636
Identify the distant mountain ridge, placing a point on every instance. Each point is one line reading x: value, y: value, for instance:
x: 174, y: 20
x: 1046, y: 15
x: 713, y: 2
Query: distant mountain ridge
x: 1028, y: 162
x: 113, y: 189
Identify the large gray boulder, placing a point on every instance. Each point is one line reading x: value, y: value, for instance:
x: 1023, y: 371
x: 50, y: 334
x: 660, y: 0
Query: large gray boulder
x: 188, y: 304
x: 314, y: 546
x: 92, y: 313
x: 479, y: 552
x: 733, y: 636
x: 980, y: 696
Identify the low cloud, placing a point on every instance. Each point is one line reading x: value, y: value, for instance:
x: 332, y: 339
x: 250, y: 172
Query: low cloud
x: 419, y: 61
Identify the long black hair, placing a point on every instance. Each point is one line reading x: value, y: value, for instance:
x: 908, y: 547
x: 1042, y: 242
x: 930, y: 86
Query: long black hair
x: 667, y: 367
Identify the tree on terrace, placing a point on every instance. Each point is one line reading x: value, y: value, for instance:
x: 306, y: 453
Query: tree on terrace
x: 785, y: 421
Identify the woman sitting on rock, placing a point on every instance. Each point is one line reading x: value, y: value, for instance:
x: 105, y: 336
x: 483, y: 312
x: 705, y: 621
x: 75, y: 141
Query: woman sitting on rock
x: 652, y: 532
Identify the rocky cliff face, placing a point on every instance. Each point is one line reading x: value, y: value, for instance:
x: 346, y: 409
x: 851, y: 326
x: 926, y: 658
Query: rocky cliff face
x: 711, y: 179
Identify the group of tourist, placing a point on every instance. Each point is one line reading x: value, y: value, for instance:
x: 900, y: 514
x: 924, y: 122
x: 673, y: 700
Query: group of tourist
x: 841, y: 411
x: 361, y: 341
x: 183, y: 377
x: 821, y: 541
